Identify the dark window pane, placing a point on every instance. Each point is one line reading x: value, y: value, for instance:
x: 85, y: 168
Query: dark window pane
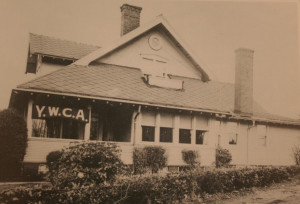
x: 72, y: 129
x: 185, y: 136
x: 166, y: 134
x: 58, y: 128
x: 94, y: 134
x: 200, y: 136
x: 148, y: 133
x: 54, y: 126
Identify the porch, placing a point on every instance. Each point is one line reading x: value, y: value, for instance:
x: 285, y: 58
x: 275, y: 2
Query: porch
x: 57, y: 121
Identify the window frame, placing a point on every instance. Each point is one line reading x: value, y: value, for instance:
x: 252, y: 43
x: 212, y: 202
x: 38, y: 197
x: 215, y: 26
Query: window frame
x: 160, y: 134
x: 203, y: 136
x: 233, y: 139
x: 143, y: 136
x: 59, y: 125
x: 180, y: 136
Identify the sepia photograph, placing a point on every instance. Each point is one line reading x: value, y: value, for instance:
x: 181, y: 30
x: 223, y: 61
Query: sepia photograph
x: 134, y: 101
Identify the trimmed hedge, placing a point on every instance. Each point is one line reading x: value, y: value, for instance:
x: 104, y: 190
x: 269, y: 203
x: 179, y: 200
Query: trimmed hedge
x: 84, y: 164
x: 149, y: 158
x: 190, y: 157
x: 223, y: 157
x: 173, y: 187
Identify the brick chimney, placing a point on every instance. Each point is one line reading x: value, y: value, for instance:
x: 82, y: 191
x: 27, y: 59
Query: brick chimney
x: 130, y: 18
x: 243, y: 102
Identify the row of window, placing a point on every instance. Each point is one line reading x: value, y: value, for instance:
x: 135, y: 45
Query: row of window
x: 58, y: 128
x: 166, y: 135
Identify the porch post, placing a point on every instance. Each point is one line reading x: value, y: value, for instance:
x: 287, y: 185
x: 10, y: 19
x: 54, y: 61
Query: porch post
x: 193, y: 133
x: 176, y: 129
x: 157, y: 128
x: 29, y: 117
x: 87, y: 129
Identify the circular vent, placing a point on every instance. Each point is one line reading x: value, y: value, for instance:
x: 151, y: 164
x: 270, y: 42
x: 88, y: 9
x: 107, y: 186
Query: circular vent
x: 155, y: 42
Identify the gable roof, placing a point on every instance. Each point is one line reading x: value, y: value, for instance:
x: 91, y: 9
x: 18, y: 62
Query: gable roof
x: 45, y: 45
x: 161, y: 23
x: 124, y: 84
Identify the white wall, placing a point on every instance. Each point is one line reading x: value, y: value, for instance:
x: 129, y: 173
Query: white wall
x: 173, y: 150
x: 274, y: 147
x: 132, y: 55
x: 252, y: 147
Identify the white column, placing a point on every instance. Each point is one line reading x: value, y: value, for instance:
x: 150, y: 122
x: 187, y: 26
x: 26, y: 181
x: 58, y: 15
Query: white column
x: 176, y: 129
x: 210, y: 136
x: 193, y: 131
x: 29, y: 117
x: 87, y: 129
x: 157, y: 127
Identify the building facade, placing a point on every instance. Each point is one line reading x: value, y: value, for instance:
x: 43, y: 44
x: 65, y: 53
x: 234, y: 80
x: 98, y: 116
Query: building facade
x: 146, y: 89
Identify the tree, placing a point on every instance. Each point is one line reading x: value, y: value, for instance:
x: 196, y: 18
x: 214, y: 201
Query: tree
x: 13, y: 143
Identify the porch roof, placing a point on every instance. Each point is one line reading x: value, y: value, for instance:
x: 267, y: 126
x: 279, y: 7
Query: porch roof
x: 125, y: 84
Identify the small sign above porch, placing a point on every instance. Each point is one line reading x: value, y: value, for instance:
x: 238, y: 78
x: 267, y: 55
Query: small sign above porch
x: 44, y: 111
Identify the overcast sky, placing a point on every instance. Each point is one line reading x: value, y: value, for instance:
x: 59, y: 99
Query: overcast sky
x: 212, y: 29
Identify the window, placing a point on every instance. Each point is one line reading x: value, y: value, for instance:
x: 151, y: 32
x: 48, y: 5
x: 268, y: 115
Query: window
x: 200, y: 134
x: 58, y: 128
x: 233, y: 139
x: 185, y: 129
x: 148, y: 133
x: 166, y: 130
x: 232, y: 132
x: 148, y: 126
x: 185, y: 136
x: 166, y: 134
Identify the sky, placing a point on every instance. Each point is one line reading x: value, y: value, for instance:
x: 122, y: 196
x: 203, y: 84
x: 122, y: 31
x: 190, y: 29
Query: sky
x: 213, y: 30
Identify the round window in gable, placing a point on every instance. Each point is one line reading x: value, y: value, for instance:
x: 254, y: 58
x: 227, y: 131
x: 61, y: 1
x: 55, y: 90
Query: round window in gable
x: 155, y: 42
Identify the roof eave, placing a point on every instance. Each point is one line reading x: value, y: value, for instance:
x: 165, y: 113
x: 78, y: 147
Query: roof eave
x: 217, y: 113
x: 55, y: 56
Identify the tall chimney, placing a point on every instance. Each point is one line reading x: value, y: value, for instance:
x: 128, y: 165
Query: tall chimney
x: 130, y: 18
x: 243, y: 102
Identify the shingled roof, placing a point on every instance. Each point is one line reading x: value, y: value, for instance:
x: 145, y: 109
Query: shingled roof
x: 40, y: 44
x: 127, y: 84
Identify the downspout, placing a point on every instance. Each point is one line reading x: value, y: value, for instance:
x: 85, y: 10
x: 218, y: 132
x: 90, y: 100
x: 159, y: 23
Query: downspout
x: 248, y: 131
x: 135, y: 117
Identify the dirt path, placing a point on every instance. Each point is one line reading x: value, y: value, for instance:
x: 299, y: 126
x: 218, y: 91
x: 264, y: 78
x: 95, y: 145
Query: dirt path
x: 287, y: 192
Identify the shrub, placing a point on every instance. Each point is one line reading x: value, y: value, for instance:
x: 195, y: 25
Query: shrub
x: 296, y: 154
x: 190, y: 157
x: 149, y: 157
x: 139, y: 161
x: 223, y: 157
x: 13, y: 143
x: 85, y: 164
x: 52, y: 162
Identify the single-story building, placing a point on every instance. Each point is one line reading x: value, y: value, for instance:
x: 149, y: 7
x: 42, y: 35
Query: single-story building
x: 146, y: 89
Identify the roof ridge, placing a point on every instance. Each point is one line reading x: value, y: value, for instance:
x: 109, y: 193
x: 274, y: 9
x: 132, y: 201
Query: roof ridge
x: 57, y: 38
